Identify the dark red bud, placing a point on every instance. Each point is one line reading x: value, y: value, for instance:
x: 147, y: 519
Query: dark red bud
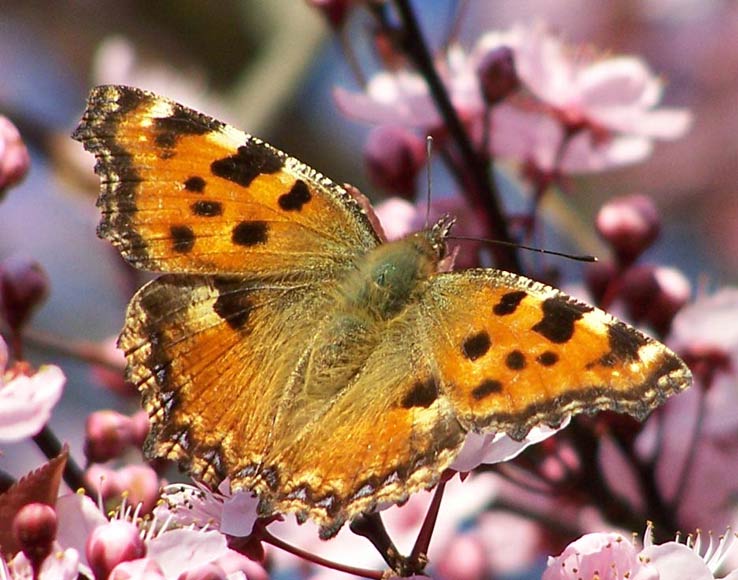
x: 393, y: 157
x: 497, y: 76
x: 23, y: 287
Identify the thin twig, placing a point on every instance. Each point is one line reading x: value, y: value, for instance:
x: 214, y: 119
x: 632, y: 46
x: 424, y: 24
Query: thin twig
x: 315, y: 559
x: 484, y: 186
x: 51, y: 447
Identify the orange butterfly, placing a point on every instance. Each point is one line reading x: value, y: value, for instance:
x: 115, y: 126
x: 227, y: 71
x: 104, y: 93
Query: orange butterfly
x: 291, y: 350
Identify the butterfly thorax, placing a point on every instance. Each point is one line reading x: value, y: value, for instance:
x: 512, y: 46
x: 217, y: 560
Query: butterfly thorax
x: 387, y: 281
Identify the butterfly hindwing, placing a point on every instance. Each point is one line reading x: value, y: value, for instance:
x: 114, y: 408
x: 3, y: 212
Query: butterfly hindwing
x: 513, y: 353
x: 183, y: 192
x: 203, y: 352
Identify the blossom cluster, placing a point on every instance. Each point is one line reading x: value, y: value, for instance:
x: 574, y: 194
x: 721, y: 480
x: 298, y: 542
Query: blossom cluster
x: 515, y: 116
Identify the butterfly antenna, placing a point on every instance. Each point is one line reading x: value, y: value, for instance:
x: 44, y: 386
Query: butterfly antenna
x: 429, y: 182
x: 578, y: 258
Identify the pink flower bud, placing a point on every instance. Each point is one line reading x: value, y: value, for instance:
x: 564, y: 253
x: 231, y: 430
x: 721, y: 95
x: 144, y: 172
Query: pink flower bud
x: 393, y: 157
x: 108, y: 434
x: 112, y: 543
x: 654, y: 294
x: 629, y: 224
x: 34, y: 529
x: 497, y: 76
x: 14, y: 158
x: 23, y: 287
x: 140, y: 428
x: 142, y: 485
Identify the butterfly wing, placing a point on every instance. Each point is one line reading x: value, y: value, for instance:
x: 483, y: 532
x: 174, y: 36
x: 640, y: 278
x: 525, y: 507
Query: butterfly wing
x: 213, y: 359
x: 386, y: 435
x: 182, y: 192
x: 512, y: 353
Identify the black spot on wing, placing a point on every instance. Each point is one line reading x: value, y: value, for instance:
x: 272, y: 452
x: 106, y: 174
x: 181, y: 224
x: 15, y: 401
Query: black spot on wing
x: 183, y: 239
x: 298, y: 196
x: 559, y: 316
x: 515, y: 360
x: 624, y: 341
x: 423, y: 394
x: 485, y: 388
x: 509, y: 303
x: 205, y: 208
x: 250, y: 161
x: 233, y: 304
x: 547, y: 358
x: 183, y: 121
x: 250, y: 233
x: 195, y: 184
x: 476, y: 345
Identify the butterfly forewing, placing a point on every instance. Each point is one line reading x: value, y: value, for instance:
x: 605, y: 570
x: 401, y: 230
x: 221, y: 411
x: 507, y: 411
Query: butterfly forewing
x: 182, y: 192
x: 513, y: 353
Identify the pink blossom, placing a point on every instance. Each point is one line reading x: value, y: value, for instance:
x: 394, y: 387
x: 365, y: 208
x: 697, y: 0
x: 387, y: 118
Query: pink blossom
x: 538, y: 139
x: 582, y: 114
x: 491, y: 448
x: 618, y: 94
x: 60, y: 565
x: 231, y: 512
x: 610, y: 556
x: 14, y: 158
x: 26, y: 401
x: 403, y: 98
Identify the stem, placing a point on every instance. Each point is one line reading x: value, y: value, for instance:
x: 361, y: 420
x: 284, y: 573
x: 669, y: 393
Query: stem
x: 84, y: 350
x: 371, y: 527
x: 419, y: 553
x: 315, y: 559
x: 485, y: 190
x: 51, y: 447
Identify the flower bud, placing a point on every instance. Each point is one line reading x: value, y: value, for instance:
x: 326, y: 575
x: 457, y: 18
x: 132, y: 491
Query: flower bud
x: 334, y: 11
x: 23, y: 287
x: 654, y: 294
x: 112, y: 543
x: 630, y: 224
x: 107, y: 435
x: 34, y: 530
x: 14, y: 158
x: 140, y: 428
x: 393, y: 157
x: 497, y: 75
x: 599, y: 277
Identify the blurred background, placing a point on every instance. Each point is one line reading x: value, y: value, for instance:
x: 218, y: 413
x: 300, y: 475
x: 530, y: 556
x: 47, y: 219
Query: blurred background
x: 270, y: 68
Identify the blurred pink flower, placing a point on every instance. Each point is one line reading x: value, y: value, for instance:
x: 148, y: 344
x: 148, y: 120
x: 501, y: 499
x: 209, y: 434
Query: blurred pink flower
x: 618, y: 94
x: 60, y: 565
x: 538, y: 139
x: 402, y: 97
x: 26, y: 401
x: 14, y: 158
x: 582, y: 114
x: 610, y: 556
x: 483, y: 449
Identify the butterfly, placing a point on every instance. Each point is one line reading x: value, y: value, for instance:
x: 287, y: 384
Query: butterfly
x: 290, y: 348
